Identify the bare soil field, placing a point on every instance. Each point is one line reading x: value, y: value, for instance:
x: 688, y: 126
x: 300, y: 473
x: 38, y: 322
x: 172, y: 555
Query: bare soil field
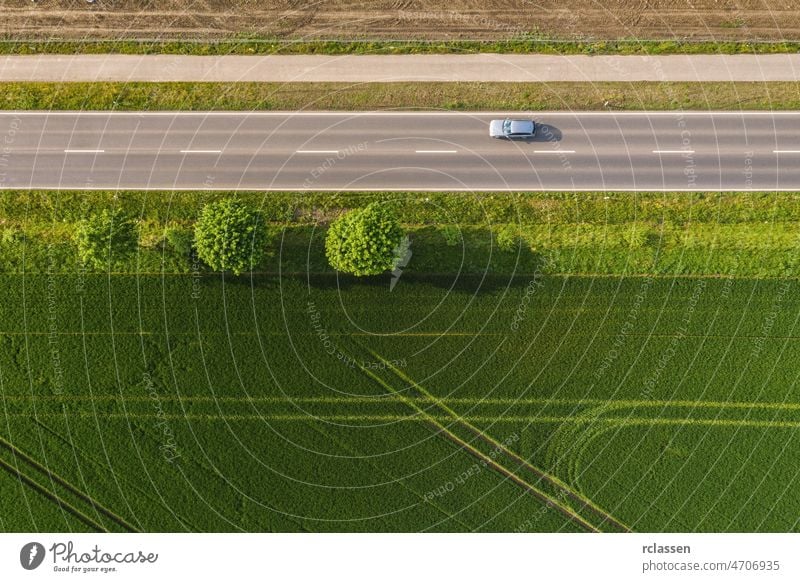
x: 400, y: 19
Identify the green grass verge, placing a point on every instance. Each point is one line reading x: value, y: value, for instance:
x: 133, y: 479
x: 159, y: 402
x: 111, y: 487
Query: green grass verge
x: 374, y: 96
x: 531, y: 44
x: 737, y: 234
x: 670, y: 404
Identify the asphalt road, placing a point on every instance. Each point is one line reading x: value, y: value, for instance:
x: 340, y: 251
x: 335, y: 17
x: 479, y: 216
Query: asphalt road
x: 399, y: 151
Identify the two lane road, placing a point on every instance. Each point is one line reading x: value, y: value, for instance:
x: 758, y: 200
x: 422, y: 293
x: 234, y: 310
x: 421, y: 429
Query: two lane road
x: 399, y: 151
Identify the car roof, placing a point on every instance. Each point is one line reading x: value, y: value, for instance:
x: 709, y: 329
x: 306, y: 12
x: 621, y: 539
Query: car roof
x: 521, y: 126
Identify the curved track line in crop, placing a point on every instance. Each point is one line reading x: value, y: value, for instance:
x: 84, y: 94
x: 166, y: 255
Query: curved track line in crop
x: 568, y: 436
x: 540, y: 475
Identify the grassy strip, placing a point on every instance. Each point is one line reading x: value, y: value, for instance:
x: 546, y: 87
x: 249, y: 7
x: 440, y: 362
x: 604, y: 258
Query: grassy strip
x: 740, y: 234
x: 527, y: 44
x: 375, y: 96
x: 55, y: 208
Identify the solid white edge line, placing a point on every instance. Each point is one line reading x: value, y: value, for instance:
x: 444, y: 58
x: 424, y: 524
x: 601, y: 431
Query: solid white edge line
x: 554, y: 151
x: 390, y: 189
x: 317, y: 152
x: 786, y: 151
x: 673, y: 151
x: 201, y: 151
x: 394, y: 113
x: 435, y: 151
x: 84, y: 151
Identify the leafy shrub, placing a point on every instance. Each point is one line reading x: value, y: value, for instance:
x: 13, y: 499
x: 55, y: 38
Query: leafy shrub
x: 12, y: 235
x: 636, y: 236
x: 365, y: 241
x: 507, y: 237
x: 180, y: 240
x: 451, y: 234
x: 230, y: 236
x: 106, y: 238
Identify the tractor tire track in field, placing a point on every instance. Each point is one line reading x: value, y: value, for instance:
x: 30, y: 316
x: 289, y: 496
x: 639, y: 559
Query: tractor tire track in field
x: 488, y: 461
x: 583, y: 503
x: 17, y: 454
x: 47, y: 494
x: 530, y: 489
x: 610, y: 421
x: 88, y: 458
x: 793, y: 406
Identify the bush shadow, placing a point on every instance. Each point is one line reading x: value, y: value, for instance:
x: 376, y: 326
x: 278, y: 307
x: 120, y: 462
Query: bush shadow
x: 514, y: 268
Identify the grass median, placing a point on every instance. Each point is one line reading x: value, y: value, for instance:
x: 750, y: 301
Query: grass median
x: 528, y: 44
x: 415, y: 96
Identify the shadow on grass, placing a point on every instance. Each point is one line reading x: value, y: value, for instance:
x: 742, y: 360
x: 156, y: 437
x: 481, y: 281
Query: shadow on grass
x: 513, y: 268
x: 476, y: 264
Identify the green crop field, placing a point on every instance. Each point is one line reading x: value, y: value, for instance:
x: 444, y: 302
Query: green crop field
x: 448, y: 403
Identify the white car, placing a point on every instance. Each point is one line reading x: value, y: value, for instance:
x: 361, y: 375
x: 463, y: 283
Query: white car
x: 512, y: 128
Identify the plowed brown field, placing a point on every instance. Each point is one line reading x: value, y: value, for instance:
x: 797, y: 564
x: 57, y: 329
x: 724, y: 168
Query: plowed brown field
x: 386, y: 19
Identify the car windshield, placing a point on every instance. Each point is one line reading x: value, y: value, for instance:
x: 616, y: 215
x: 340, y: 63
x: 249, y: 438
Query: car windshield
x: 507, y: 126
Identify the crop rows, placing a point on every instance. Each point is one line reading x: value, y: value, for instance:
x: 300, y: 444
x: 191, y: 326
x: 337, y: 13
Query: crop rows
x: 318, y: 404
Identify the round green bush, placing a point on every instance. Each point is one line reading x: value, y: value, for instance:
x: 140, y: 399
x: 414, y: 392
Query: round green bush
x: 365, y: 241
x: 230, y: 236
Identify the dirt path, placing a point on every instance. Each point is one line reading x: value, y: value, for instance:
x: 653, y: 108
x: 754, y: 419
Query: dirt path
x: 488, y: 68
